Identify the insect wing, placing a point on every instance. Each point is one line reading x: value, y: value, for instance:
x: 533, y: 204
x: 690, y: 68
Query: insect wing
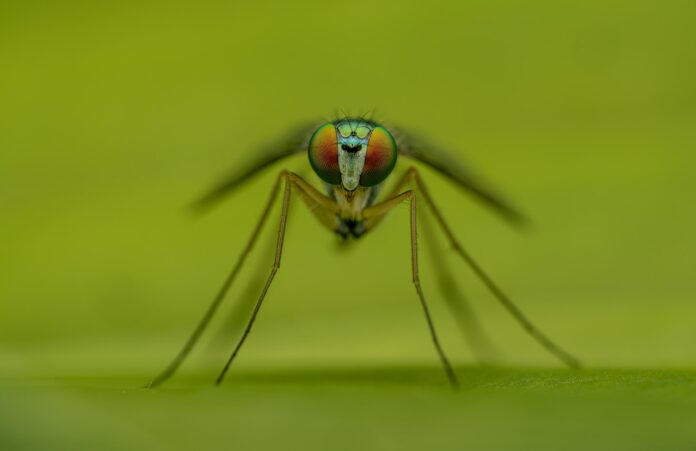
x: 295, y: 142
x: 448, y: 166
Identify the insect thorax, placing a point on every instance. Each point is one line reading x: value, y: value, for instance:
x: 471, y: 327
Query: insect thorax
x: 349, y: 220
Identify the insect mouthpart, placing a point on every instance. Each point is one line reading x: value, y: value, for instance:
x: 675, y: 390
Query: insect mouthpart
x: 351, y: 149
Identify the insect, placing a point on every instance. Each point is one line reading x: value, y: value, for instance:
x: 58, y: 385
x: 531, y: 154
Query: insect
x: 353, y: 156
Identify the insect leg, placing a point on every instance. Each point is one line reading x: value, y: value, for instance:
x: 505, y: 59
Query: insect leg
x: 243, y: 303
x: 464, y: 315
x: 315, y: 201
x: 380, y: 210
x: 526, y: 324
x: 174, y: 365
x: 479, y: 342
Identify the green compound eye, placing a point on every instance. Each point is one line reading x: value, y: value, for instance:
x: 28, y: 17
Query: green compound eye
x: 323, y: 154
x: 380, y: 158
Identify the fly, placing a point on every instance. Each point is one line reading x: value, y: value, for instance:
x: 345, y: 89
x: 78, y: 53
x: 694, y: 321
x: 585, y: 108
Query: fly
x: 353, y: 157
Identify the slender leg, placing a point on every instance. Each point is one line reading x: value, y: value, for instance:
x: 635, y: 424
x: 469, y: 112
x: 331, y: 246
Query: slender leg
x: 322, y: 207
x: 463, y: 314
x: 236, y: 317
x: 317, y: 202
x: 416, y: 281
x: 527, y: 325
x: 203, y: 324
x: 269, y: 280
x: 378, y: 211
x: 470, y: 327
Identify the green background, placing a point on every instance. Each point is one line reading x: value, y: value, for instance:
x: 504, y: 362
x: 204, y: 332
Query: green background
x: 115, y: 116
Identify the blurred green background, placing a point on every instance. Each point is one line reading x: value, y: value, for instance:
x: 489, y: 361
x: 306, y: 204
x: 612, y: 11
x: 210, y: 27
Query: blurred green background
x: 114, y: 116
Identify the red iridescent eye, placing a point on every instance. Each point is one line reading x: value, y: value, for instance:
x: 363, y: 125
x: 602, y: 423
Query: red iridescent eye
x: 380, y: 158
x: 323, y: 154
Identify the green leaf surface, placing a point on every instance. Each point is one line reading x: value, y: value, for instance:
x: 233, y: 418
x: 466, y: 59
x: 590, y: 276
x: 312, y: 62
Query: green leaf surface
x: 402, y: 408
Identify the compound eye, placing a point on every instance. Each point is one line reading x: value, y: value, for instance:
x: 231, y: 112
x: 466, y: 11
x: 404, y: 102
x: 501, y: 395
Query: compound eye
x: 380, y: 158
x: 323, y: 154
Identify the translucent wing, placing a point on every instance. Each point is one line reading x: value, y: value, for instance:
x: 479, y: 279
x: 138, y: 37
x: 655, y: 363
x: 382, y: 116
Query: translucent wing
x: 295, y: 142
x: 444, y: 163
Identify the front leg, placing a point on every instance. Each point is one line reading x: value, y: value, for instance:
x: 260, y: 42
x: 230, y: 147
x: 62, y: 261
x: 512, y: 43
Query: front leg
x: 379, y: 211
